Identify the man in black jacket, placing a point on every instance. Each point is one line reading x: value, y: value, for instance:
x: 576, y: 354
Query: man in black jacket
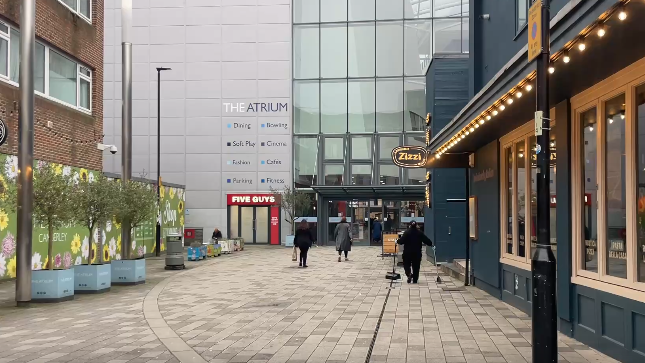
x: 413, y: 240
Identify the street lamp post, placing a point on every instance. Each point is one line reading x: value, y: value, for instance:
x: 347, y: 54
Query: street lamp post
x: 25, y: 152
x: 543, y: 264
x: 126, y: 112
x: 158, y: 242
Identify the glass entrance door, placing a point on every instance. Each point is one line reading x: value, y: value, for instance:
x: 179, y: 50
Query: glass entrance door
x: 247, y: 224
x: 261, y: 225
x: 360, y: 223
x: 253, y: 224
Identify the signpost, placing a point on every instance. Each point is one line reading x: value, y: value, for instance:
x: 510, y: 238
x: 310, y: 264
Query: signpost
x: 543, y: 264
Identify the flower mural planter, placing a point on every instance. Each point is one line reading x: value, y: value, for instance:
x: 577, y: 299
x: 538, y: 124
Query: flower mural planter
x: 128, y: 272
x: 92, y: 279
x: 194, y: 253
x: 50, y: 286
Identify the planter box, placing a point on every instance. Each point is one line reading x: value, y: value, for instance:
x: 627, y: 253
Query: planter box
x: 289, y: 241
x: 92, y: 279
x: 204, y: 252
x: 128, y: 272
x: 52, y: 286
x: 194, y: 253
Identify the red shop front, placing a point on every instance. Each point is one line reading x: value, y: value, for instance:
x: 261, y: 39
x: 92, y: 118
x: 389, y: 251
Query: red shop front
x: 254, y: 217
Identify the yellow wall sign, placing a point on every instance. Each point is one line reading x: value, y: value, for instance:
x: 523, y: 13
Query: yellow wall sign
x: 389, y: 243
x: 535, y: 30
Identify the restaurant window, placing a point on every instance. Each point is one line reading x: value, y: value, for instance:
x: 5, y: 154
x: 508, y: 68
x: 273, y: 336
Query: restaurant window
x: 608, y: 184
x: 519, y: 194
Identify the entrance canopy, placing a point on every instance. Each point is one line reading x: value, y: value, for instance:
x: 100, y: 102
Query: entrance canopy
x: 388, y: 192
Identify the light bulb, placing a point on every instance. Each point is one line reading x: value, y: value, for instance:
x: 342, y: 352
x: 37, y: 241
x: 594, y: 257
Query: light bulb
x: 509, y: 101
x: 481, y: 121
x: 476, y: 125
x: 622, y: 116
x: 438, y: 156
x: 528, y: 87
x: 472, y: 129
x: 581, y: 47
x: 552, y: 144
x: 518, y: 94
x: 601, y: 32
x: 566, y: 59
x: 611, y: 120
x: 463, y: 136
x: 488, y: 117
x: 520, y: 155
x: 502, y: 107
x: 622, y: 15
x: 467, y: 132
x: 551, y: 69
x: 590, y: 128
x: 495, y: 112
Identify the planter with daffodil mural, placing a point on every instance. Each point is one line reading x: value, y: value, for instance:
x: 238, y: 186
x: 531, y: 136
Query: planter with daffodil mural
x: 93, y: 204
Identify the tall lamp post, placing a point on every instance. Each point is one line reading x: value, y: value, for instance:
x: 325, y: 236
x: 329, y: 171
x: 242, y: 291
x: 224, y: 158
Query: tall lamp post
x: 158, y: 242
x: 543, y: 263
x: 126, y: 117
x: 25, y: 152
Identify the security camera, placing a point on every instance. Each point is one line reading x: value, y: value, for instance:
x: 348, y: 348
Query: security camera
x: 104, y: 147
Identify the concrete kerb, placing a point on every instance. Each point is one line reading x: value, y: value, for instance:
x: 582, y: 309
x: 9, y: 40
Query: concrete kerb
x: 173, y: 342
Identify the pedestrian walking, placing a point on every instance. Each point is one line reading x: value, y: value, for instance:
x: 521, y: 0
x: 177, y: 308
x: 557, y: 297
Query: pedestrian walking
x: 377, y: 231
x: 217, y: 234
x: 303, y: 240
x: 413, y: 240
x: 342, y: 235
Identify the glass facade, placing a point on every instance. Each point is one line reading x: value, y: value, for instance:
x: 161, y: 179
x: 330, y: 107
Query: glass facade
x: 359, y: 79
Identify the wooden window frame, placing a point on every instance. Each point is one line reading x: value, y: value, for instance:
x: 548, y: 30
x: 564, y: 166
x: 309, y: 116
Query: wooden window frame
x: 623, y: 82
x: 522, y: 133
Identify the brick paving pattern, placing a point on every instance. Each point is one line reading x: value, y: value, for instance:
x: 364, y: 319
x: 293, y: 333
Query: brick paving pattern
x: 257, y: 306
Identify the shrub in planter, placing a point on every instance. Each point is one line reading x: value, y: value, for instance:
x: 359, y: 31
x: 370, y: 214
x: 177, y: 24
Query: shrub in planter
x: 53, y: 208
x: 93, y: 205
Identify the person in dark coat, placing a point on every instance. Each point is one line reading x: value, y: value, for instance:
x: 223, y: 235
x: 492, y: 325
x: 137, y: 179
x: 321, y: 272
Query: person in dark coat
x: 377, y: 231
x: 303, y: 240
x: 217, y: 234
x: 413, y: 240
x: 343, y: 238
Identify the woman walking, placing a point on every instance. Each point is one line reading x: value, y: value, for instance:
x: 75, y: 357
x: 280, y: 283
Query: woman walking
x: 343, y: 238
x: 303, y: 240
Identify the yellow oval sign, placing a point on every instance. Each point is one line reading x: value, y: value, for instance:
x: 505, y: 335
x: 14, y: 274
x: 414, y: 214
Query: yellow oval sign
x: 409, y: 156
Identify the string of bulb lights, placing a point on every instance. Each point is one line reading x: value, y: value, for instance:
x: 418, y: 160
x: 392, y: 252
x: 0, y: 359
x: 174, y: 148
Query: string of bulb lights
x: 525, y: 86
x: 72, y: 141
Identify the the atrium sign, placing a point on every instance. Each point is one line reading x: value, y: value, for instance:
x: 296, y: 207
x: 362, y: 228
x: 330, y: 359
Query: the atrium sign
x: 256, y: 107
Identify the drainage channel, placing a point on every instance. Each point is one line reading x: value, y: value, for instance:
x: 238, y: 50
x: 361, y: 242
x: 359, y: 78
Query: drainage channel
x: 378, y: 324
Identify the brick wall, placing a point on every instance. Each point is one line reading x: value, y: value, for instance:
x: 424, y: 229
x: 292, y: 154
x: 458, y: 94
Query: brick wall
x: 63, y: 30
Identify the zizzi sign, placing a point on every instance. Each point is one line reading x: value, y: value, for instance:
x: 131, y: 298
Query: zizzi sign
x: 409, y: 156
x: 256, y: 107
x: 251, y: 199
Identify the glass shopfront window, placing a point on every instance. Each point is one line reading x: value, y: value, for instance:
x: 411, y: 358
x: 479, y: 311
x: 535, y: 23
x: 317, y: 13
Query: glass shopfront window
x: 615, y: 191
x: 589, y: 132
x: 640, y: 181
x: 519, y: 194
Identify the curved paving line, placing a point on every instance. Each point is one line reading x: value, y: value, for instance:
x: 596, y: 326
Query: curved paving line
x: 173, y: 342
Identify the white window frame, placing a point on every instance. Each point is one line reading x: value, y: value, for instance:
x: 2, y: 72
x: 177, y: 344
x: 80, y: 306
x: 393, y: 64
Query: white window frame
x: 77, y: 11
x: 7, y: 37
x: 79, y: 75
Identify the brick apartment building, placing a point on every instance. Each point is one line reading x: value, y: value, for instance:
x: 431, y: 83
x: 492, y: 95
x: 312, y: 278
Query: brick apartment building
x: 68, y: 79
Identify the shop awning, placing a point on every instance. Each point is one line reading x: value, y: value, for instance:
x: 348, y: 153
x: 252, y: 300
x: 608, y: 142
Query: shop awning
x: 371, y: 192
x: 621, y: 46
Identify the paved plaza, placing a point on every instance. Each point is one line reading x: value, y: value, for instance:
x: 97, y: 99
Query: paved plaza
x: 257, y: 306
